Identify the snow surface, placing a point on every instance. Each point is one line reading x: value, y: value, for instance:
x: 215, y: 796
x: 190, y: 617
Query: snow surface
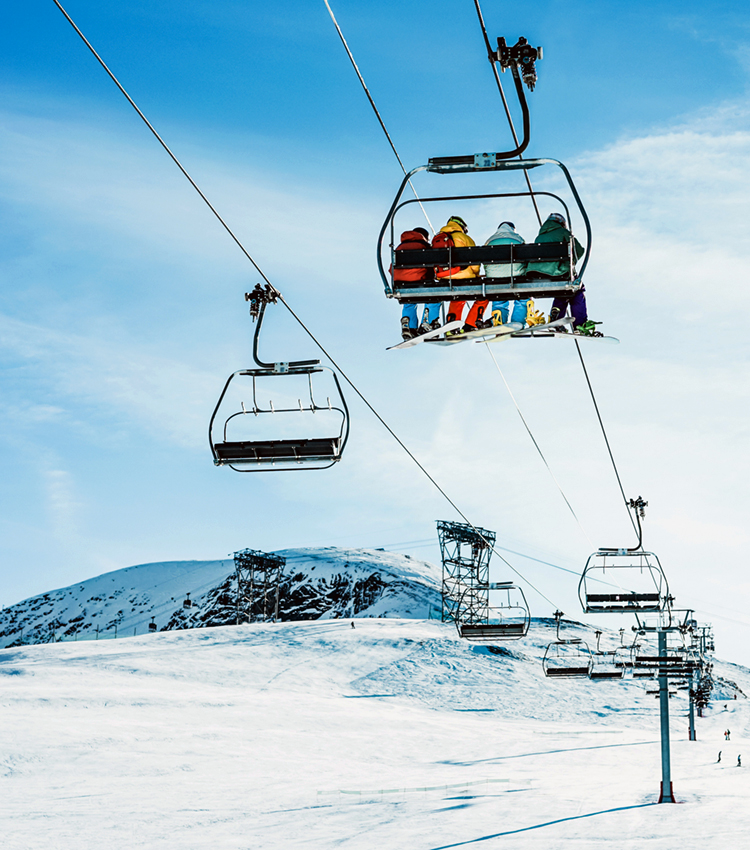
x: 394, y: 734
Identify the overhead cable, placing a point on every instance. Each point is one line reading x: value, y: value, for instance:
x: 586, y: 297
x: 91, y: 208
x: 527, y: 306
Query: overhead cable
x: 606, y: 439
x: 281, y: 298
x: 375, y: 108
x: 536, y: 445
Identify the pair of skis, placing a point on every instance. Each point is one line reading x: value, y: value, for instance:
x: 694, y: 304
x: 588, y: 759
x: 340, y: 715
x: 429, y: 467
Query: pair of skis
x: 557, y: 329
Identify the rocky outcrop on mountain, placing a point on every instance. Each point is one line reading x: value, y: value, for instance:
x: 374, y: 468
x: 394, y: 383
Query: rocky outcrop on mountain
x: 315, y: 584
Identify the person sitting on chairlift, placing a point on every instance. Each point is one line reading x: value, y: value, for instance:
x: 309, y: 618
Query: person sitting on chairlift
x: 456, y: 234
x: 523, y: 308
x: 555, y: 229
x: 416, y: 240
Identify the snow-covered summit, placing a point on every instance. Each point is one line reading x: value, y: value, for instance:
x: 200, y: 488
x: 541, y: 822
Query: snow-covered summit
x: 316, y: 583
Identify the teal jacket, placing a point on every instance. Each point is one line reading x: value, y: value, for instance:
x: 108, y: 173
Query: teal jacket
x: 553, y: 231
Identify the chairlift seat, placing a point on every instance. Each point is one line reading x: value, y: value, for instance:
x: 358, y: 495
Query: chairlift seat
x: 607, y: 674
x: 559, y: 672
x: 621, y: 601
x: 425, y: 258
x: 255, y: 452
x: 495, y: 631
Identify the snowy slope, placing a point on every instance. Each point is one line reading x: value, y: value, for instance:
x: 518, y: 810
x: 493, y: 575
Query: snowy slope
x: 317, y: 583
x: 394, y: 734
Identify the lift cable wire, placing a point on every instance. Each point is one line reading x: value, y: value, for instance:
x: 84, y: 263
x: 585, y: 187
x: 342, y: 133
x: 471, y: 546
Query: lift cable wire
x: 375, y: 109
x: 281, y: 298
x: 580, y: 355
x: 160, y: 140
x: 536, y: 445
x: 493, y: 62
x: 408, y: 452
x: 606, y: 439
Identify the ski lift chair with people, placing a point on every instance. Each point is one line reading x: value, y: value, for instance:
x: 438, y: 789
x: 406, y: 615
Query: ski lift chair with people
x: 520, y: 60
x: 283, y: 453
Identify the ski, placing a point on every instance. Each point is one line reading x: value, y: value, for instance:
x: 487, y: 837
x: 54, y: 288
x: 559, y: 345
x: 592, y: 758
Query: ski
x: 429, y: 336
x: 490, y: 334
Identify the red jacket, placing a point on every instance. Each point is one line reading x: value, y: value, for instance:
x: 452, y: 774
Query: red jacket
x: 413, y: 241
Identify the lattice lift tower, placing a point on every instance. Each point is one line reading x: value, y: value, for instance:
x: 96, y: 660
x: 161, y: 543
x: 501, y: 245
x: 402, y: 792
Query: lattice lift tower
x: 465, y: 551
x: 258, y: 578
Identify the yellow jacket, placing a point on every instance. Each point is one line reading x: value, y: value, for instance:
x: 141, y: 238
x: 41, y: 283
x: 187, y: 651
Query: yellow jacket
x: 460, y: 240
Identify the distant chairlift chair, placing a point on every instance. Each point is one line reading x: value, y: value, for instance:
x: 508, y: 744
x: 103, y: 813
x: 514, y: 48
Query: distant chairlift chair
x: 282, y: 454
x: 507, y: 619
x: 569, y: 658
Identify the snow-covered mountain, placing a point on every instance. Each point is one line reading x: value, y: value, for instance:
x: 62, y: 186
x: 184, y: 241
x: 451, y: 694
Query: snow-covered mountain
x: 316, y: 584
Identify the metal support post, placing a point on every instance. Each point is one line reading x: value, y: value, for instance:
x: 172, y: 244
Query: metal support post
x: 691, y: 727
x: 666, y: 795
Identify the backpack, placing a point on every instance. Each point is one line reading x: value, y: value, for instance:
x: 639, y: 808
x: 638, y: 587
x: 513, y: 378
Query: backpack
x: 445, y: 240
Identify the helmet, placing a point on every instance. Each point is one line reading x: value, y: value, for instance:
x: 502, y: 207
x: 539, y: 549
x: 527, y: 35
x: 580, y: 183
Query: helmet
x: 509, y: 223
x: 460, y: 222
x: 422, y: 231
x: 557, y: 217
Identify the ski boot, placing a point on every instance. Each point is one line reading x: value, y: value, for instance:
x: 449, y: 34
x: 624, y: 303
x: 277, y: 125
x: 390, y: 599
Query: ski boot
x: 406, y: 331
x: 451, y: 317
x: 426, y: 326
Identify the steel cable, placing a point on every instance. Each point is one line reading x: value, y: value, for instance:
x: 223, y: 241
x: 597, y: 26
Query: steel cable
x: 281, y: 298
x: 536, y: 445
x: 375, y: 108
x: 591, y: 390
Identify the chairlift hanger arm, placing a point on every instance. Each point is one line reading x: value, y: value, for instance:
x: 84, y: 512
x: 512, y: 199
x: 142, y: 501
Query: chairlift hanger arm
x: 259, y: 299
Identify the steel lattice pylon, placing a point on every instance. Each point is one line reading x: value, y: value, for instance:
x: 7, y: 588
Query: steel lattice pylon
x: 465, y: 551
x: 258, y: 577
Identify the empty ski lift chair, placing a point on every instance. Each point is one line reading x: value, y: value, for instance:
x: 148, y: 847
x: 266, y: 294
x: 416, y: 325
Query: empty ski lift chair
x: 569, y: 658
x: 604, y: 666
x: 507, y: 618
x: 624, y: 580
x: 284, y: 453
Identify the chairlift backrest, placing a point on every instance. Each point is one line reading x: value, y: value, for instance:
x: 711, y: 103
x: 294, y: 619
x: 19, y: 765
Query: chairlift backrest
x: 527, y: 285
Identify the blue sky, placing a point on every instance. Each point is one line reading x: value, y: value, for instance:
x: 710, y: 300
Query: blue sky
x: 122, y: 310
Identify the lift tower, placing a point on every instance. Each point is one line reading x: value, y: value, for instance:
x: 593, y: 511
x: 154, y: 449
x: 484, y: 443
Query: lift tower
x: 258, y: 577
x: 465, y: 551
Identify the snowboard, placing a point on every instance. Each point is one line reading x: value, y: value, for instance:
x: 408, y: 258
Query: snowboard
x: 488, y: 334
x: 548, y: 330
x: 428, y: 337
